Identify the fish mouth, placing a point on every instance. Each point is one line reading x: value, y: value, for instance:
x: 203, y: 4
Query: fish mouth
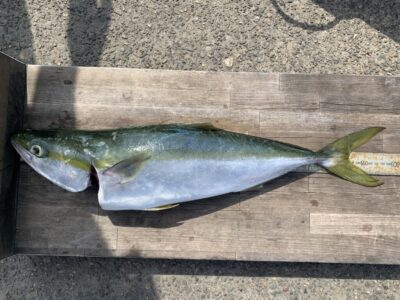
x: 25, y: 154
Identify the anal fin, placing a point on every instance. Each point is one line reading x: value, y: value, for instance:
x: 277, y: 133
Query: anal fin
x: 162, y: 207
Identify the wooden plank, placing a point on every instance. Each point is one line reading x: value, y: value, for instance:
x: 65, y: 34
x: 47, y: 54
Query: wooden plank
x: 272, y: 223
x: 136, y: 88
x: 261, y: 91
x: 346, y: 93
x: 326, y: 183
x: 315, y: 130
x: 84, y: 117
x: 391, y: 141
x: 322, y: 248
x: 50, y: 217
x: 335, y: 83
x: 60, y: 237
x: 305, y: 203
x: 12, y: 99
x: 355, y: 224
x: 160, y: 254
x: 268, y: 100
x: 57, y: 77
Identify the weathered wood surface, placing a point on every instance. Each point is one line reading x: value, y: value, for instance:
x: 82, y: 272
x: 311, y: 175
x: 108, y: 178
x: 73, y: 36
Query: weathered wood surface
x: 298, y: 217
x: 12, y: 98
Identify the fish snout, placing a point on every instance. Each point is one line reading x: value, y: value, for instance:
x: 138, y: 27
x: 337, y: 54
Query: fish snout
x: 25, y: 154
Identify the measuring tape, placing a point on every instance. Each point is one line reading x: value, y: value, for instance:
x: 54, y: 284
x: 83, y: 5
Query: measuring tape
x: 371, y: 163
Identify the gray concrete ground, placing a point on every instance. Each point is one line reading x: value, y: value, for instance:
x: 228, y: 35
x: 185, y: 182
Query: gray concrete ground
x: 308, y: 36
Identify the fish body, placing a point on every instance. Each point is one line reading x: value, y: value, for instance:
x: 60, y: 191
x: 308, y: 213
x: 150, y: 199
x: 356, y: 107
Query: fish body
x: 142, y: 168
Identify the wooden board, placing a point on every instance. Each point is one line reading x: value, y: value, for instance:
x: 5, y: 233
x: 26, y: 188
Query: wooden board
x: 12, y: 98
x: 298, y: 217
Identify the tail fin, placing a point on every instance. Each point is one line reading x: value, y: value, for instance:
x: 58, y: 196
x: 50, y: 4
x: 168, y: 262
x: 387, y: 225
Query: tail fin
x: 338, y: 152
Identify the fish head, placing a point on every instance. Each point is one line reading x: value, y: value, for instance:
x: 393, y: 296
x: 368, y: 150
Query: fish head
x: 56, y: 157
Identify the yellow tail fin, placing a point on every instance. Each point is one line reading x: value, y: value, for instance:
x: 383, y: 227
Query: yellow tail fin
x: 338, y: 152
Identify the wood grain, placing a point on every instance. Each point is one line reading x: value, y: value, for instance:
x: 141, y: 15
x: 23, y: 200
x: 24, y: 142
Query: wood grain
x: 139, y: 89
x: 283, y: 221
x: 315, y: 130
x: 355, y: 224
x: 391, y: 141
x: 85, y: 117
x: 344, y: 93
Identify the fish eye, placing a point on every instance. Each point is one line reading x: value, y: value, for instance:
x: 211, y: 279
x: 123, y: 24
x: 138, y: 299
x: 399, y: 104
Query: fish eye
x: 37, y: 150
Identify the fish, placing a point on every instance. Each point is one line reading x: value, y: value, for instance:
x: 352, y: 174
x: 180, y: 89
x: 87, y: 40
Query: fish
x: 156, y: 167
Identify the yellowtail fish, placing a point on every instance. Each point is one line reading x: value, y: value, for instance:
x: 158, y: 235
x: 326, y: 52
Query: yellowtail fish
x: 157, y: 167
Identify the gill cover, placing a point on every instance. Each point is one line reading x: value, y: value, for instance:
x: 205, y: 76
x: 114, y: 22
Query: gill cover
x: 58, y: 171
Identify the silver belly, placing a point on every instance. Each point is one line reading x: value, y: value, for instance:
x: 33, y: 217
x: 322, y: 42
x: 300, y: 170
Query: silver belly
x: 174, y: 181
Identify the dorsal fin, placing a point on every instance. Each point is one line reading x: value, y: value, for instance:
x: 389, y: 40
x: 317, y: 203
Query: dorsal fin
x: 203, y: 126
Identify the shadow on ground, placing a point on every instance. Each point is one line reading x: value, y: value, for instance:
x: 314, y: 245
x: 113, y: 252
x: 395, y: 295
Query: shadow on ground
x: 86, y: 35
x: 384, y: 16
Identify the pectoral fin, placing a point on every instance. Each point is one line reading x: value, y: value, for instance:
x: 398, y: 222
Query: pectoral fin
x: 162, y: 207
x: 126, y: 170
